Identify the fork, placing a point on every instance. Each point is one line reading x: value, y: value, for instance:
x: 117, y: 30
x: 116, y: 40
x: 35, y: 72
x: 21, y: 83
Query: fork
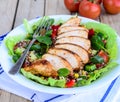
x: 43, y: 25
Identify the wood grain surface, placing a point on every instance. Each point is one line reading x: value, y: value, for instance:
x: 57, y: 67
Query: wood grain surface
x: 12, y: 13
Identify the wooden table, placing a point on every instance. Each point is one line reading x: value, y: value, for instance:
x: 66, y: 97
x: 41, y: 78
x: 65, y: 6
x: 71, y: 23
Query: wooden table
x: 12, y: 12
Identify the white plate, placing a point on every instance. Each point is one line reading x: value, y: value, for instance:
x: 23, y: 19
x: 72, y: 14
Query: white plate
x: 7, y: 63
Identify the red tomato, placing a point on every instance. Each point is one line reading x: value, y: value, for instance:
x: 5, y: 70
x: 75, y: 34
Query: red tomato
x: 91, y: 33
x: 54, y: 31
x: 72, y: 5
x: 104, y: 55
x: 89, y: 9
x: 112, y: 6
x: 70, y: 83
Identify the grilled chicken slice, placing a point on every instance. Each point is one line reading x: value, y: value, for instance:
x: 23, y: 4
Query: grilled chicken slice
x: 74, y: 21
x: 85, y: 43
x: 57, y: 62
x: 42, y: 67
x: 70, y: 56
x: 69, y: 28
x: 76, y: 49
x: 79, y: 33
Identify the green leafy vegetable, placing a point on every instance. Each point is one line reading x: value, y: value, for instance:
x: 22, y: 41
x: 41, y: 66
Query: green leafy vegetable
x: 12, y: 40
x: 63, y: 72
x: 50, y: 81
x: 19, y: 51
x: 27, y: 26
x: 96, y: 74
x: 48, y: 33
x: 33, y: 77
x: 15, y: 57
x: 44, y: 39
x: 35, y: 47
x: 97, y: 42
x: 97, y: 59
x: 50, y: 21
x: 58, y: 83
x: 111, y: 44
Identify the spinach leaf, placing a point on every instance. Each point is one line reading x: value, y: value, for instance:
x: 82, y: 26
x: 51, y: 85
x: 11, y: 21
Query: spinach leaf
x: 63, y: 72
x: 97, y: 42
x: 97, y: 59
x: 48, y: 33
x: 44, y: 39
x: 35, y: 47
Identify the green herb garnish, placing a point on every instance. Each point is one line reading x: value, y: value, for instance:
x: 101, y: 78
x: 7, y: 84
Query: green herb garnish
x: 44, y: 39
x: 97, y: 42
x: 97, y: 59
x: 63, y: 72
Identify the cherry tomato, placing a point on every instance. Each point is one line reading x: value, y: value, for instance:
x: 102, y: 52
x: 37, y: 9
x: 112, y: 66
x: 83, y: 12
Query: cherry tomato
x: 89, y: 9
x: 91, y: 33
x: 70, y: 83
x: 72, y: 5
x: 54, y: 31
x: 112, y: 6
x: 100, y: 65
x: 104, y: 55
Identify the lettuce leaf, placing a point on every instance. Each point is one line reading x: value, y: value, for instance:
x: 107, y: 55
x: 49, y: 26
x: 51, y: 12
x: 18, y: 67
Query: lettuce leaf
x: 34, y: 77
x: 50, y: 81
x: 57, y: 83
x: 111, y: 45
x: 11, y: 41
x: 96, y: 74
x: 28, y: 27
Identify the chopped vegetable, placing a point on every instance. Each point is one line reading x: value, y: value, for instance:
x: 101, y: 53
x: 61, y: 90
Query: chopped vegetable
x: 90, y: 67
x: 90, y: 33
x: 70, y: 83
x: 104, y: 55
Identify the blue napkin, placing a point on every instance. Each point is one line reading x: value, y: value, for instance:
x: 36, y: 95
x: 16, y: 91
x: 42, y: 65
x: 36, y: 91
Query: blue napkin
x: 108, y: 93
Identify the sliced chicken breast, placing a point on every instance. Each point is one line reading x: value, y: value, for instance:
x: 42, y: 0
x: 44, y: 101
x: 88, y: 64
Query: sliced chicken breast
x: 74, y: 21
x: 79, y: 33
x: 69, y: 28
x: 42, y: 67
x: 71, y: 57
x: 76, y: 49
x: 58, y: 62
x: 85, y: 43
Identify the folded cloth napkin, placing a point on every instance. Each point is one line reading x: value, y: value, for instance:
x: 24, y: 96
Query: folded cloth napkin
x: 108, y: 93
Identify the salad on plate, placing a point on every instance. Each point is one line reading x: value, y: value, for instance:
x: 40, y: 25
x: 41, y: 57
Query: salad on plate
x: 68, y: 54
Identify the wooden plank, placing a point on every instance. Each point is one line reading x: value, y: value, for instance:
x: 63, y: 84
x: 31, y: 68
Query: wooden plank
x: 55, y: 7
x: 4, y: 96
x: 112, y: 20
x: 29, y: 9
x: 15, y: 98
x: 7, y: 11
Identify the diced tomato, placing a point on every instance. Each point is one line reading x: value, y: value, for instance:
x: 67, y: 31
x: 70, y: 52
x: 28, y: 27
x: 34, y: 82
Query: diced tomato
x: 104, y: 55
x: 55, y: 27
x: 70, y: 83
x: 100, y: 65
x: 53, y: 35
x: 54, y: 31
x: 91, y: 33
